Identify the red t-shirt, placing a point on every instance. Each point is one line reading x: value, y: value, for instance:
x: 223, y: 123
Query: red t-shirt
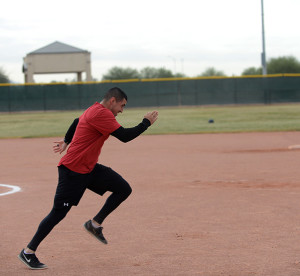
x: 94, y: 127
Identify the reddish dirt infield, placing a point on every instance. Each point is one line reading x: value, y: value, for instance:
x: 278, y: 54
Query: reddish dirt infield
x: 211, y: 204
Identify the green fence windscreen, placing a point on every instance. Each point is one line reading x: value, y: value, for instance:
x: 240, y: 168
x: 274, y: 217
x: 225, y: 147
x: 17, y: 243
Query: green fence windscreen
x: 154, y: 93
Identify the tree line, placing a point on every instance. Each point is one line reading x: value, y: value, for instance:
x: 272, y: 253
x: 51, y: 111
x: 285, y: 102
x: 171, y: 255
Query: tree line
x: 3, y: 76
x: 280, y: 65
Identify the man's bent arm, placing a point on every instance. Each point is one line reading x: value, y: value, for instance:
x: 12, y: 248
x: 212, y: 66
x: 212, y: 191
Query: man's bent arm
x: 70, y: 133
x: 128, y: 134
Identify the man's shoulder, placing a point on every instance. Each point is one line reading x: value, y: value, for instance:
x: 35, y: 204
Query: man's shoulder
x: 97, y: 110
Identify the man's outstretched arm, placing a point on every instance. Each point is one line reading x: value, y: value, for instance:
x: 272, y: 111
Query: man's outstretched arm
x: 128, y: 134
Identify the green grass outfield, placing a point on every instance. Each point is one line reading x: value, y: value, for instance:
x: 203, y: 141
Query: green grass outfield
x: 175, y: 120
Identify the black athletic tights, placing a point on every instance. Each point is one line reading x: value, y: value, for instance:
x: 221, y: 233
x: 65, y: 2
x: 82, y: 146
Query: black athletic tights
x: 56, y: 215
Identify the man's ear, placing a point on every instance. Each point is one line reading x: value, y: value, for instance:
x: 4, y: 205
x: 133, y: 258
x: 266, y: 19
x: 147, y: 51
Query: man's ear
x: 113, y: 100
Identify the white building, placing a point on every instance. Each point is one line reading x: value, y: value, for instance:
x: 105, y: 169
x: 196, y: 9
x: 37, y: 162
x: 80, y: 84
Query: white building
x: 56, y: 58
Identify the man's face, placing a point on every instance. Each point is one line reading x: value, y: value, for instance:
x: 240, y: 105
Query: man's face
x: 117, y: 107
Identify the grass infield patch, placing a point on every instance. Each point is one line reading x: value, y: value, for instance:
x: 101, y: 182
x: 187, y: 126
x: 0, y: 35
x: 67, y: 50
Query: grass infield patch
x: 175, y: 120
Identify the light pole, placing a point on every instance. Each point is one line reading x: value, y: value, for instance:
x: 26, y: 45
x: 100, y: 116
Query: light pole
x: 182, y: 66
x: 263, y: 55
x: 174, y: 59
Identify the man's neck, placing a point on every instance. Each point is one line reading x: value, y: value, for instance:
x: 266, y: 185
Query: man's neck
x: 104, y: 103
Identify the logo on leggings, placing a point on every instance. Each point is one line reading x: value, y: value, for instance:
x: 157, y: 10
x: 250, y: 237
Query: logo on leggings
x: 66, y: 204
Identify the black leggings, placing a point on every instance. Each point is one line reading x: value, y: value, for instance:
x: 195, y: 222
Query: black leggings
x: 112, y: 202
x: 56, y: 215
x: 46, y: 225
x: 112, y: 182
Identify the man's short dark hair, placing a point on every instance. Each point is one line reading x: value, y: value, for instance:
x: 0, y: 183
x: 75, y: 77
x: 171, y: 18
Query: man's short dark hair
x: 115, y: 92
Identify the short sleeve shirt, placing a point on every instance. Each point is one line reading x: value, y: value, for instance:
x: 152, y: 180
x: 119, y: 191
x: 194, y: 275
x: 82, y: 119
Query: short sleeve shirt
x: 94, y: 127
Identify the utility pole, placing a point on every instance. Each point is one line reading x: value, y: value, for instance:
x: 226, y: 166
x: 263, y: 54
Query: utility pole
x: 263, y: 55
x: 174, y: 59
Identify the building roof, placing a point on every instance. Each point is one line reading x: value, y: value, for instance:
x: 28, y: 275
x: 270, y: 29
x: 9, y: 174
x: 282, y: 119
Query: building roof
x: 57, y: 48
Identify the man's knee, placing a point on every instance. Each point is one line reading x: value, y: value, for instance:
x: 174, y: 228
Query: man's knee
x: 126, y: 190
x: 129, y: 190
x: 60, y: 213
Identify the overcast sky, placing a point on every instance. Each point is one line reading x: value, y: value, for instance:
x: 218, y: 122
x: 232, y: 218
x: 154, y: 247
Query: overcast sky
x: 183, y: 36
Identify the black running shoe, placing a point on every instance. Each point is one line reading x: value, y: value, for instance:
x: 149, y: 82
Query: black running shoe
x: 31, y: 261
x: 96, y: 232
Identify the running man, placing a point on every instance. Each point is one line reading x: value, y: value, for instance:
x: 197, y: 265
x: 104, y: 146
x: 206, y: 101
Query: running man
x: 78, y: 169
